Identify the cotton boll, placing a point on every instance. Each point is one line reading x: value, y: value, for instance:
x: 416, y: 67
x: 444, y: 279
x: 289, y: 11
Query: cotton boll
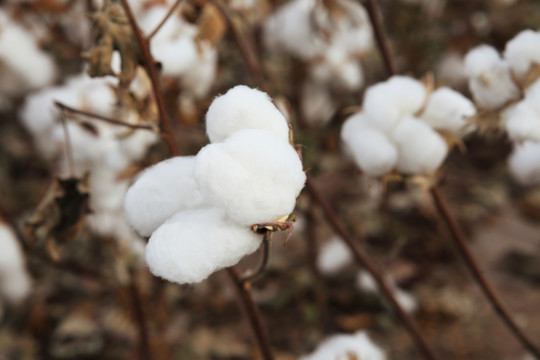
x: 490, y: 80
x: 254, y: 175
x: 522, y: 122
x: 200, y: 77
x: 371, y: 149
x: 522, y: 52
x: 161, y: 191
x: 333, y: 257
x: 338, y: 68
x: 421, y: 149
x: 193, y: 244
x: 135, y: 146
x: 244, y: 108
x: 524, y: 164
x: 353, y: 30
x: 316, y: 103
x: 358, y: 346
x: 176, y: 57
x: 407, y: 301
x: 448, y: 110
x: 15, y: 283
x: 387, y: 102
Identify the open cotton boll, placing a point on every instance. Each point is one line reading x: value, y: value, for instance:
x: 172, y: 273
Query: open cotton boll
x: 161, y: 191
x: 347, y: 346
x: 524, y: 164
x: 316, y: 103
x: 254, y: 175
x: 338, y: 68
x: 387, y: 102
x: 244, y: 108
x: 15, y: 282
x: 353, y: 31
x: 522, y: 122
x: 193, y: 244
x: 522, y: 52
x: 490, y: 80
x: 200, y: 77
x: 371, y: 149
x: 447, y: 109
x: 333, y: 256
x: 421, y: 150
x: 176, y: 57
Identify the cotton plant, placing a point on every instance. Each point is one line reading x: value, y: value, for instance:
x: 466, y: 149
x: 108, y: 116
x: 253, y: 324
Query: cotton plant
x: 201, y: 211
x: 401, y: 126
x: 331, y: 38
x: 347, y: 346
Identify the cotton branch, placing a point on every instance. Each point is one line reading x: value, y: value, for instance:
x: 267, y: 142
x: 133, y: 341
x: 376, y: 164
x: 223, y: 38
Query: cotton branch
x: 382, y: 43
x: 167, y: 16
x: 252, y: 275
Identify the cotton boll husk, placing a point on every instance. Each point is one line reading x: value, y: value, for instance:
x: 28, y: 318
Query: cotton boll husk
x: 15, y: 282
x: 490, y: 80
x: 421, y: 150
x: 244, y: 108
x: 191, y: 245
x: 371, y: 149
x: 522, y: 52
x: 333, y: 257
x: 387, y: 102
x: 161, y: 191
x: 522, y: 122
x: 524, y: 164
x: 316, y: 103
x: 447, y: 109
x: 254, y: 175
x: 344, y: 347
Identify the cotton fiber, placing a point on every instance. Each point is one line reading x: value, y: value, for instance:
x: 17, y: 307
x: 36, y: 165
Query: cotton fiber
x: 347, y: 346
x: 15, y: 282
x: 522, y: 52
x: 448, y: 110
x: 524, y: 164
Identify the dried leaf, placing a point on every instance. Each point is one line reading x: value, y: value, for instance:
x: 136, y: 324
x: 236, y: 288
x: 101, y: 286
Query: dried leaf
x: 211, y: 24
x: 532, y: 75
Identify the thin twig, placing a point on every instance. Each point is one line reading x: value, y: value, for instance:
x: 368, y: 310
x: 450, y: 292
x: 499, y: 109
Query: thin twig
x: 167, y: 16
x: 382, y: 43
x: 102, y: 118
x: 251, y: 275
x: 138, y: 313
x: 368, y: 265
x: 144, y: 46
x: 68, y: 147
x: 459, y: 240
x: 252, y: 313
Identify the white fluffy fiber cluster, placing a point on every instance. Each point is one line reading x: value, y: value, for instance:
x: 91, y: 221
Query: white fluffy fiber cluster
x: 15, y: 282
x: 347, y: 346
x: 24, y: 65
x: 198, y: 210
x: 104, y: 152
x: 397, y: 128
x: 332, y: 44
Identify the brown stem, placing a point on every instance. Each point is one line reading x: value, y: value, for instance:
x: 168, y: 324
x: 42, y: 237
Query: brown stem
x: 138, y: 312
x: 100, y: 117
x: 68, y: 147
x: 252, y: 313
x: 380, y: 37
x: 167, y: 16
x: 148, y: 61
x: 459, y: 240
x: 252, y: 275
x: 370, y: 267
x: 245, y: 46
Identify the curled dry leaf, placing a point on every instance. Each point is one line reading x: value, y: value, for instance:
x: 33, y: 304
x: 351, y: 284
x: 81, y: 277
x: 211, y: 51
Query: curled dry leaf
x: 211, y: 24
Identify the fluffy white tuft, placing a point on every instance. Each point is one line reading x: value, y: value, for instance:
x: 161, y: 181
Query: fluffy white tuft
x: 522, y: 122
x: 161, y: 191
x: 421, y: 149
x: 353, y: 346
x: 15, y: 282
x: 193, y: 244
x: 371, y: 149
x: 334, y: 256
x: 244, y: 108
x: 448, y: 110
x: 524, y: 164
x: 254, y: 175
x: 387, y: 102
x: 522, y: 52
x: 316, y: 103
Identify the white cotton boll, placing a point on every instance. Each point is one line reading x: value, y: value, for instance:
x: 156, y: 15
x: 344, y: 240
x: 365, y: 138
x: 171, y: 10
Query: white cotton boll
x: 316, y: 103
x: 106, y: 191
x: 343, y: 347
x: 193, y: 244
x: 421, y: 149
x: 447, y: 109
x: 490, y: 80
x: 152, y: 17
x: 177, y: 57
x: 135, y: 146
x: 371, y: 149
x: 254, y: 175
x: 524, y: 163
x: 387, y: 102
x: 244, y: 108
x: 522, y: 122
x: 407, y: 301
x: 15, y: 282
x: 200, y: 77
x: 353, y: 31
x: 522, y: 52
x: 338, y: 68
x: 161, y: 191
x: 334, y: 256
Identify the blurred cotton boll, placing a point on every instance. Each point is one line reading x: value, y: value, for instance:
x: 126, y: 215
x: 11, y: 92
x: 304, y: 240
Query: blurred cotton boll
x: 192, y: 244
x: 522, y: 52
x: 524, y: 164
x: 448, y: 110
x: 407, y: 301
x: 347, y: 346
x: 334, y: 256
x: 522, y: 122
x: 15, y: 282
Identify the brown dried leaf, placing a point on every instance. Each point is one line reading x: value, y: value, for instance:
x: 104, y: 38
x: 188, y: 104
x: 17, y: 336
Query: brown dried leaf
x: 211, y: 24
x: 532, y: 75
